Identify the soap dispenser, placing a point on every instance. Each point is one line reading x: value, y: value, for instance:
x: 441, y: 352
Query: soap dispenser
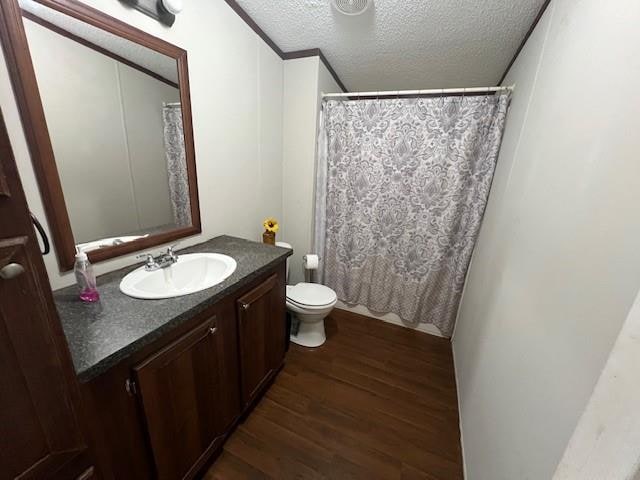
x: 85, y: 278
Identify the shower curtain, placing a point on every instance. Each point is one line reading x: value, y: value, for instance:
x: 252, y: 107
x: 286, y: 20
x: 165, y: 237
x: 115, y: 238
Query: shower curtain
x: 176, y: 164
x: 402, y: 185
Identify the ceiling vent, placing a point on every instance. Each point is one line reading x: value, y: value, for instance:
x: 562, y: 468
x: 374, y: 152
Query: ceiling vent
x: 351, y: 7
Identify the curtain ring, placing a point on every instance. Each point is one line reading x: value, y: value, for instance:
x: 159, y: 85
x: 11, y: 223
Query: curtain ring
x: 363, y: 105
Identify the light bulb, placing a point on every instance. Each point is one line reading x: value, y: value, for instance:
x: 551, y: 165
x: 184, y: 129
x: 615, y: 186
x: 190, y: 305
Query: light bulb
x: 173, y: 6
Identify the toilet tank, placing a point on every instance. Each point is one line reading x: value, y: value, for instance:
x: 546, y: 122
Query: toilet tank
x: 285, y: 245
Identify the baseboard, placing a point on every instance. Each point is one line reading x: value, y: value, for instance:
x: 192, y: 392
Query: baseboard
x: 390, y: 318
x: 455, y: 372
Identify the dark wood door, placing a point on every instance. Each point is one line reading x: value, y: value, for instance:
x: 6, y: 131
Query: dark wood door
x: 261, y: 334
x: 40, y: 434
x: 181, y: 388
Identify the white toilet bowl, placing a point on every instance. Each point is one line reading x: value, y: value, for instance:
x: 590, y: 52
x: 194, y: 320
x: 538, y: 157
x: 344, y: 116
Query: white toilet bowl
x: 310, y: 303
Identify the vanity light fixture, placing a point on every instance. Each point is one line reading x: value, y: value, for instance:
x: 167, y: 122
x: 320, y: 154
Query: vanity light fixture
x: 164, y: 11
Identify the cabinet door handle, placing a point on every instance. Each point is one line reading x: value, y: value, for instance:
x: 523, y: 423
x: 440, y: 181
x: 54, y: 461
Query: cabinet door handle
x: 130, y: 387
x: 212, y: 330
x: 11, y: 271
x: 245, y: 306
x: 43, y: 235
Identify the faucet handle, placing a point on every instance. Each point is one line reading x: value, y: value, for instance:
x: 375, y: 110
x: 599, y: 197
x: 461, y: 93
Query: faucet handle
x: 171, y: 253
x: 147, y: 257
x: 150, y: 263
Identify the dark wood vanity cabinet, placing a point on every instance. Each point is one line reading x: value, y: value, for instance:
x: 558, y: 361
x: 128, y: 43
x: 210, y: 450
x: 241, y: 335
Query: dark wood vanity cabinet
x: 262, y: 336
x: 179, y: 388
x: 165, y: 411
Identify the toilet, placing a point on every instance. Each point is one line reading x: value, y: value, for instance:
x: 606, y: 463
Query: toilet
x: 310, y: 303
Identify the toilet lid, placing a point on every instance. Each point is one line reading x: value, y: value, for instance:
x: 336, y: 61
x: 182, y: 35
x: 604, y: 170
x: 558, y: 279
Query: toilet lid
x: 312, y: 294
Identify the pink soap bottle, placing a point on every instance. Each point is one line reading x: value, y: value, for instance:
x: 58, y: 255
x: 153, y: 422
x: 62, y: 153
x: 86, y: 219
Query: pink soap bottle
x: 85, y: 278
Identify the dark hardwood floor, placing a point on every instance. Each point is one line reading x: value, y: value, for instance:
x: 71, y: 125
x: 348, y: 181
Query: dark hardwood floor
x: 376, y: 401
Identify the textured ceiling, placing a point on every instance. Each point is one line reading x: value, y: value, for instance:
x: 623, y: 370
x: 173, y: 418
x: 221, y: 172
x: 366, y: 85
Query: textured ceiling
x: 403, y: 44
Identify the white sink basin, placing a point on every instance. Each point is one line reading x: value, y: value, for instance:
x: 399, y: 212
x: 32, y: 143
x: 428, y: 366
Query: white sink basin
x: 192, y: 273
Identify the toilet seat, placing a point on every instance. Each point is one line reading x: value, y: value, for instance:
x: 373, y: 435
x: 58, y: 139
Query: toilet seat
x: 311, y: 295
x: 310, y: 303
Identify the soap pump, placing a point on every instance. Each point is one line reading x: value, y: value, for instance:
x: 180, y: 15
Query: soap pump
x: 85, y: 278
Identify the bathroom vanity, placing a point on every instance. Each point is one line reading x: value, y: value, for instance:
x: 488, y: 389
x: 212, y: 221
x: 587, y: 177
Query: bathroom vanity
x: 165, y: 381
x: 161, y: 382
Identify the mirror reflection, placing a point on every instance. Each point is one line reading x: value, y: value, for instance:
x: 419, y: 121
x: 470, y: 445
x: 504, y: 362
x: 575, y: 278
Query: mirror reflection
x: 113, y: 112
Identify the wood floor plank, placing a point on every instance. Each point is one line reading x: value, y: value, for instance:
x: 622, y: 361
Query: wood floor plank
x: 339, y: 436
x: 410, y: 473
x: 430, y: 362
x: 390, y: 332
x: 377, y: 401
x: 377, y: 385
x: 286, y: 442
x: 421, y: 382
x: 230, y: 467
x: 270, y: 459
x: 358, y: 401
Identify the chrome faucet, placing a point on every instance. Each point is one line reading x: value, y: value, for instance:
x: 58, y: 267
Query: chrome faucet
x: 163, y: 260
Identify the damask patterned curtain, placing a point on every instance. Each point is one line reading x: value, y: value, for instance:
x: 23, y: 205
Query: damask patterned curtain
x: 402, y: 187
x: 176, y: 164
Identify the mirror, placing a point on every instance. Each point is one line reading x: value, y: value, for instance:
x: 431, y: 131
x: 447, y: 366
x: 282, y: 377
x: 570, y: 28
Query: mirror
x: 115, y: 103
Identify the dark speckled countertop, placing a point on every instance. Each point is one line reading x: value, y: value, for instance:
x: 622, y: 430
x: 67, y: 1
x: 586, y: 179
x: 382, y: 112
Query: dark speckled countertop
x: 102, y: 334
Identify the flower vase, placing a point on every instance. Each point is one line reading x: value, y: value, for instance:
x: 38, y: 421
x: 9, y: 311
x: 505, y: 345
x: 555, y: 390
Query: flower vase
x: 269, y: 238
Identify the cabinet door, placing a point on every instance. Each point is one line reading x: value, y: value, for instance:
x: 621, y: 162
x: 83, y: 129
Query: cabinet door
x: 261, y: 315
x: 180, y: 389
x: 40, y: 435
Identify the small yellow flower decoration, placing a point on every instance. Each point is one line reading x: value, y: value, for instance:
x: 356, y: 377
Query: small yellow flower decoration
x: 271, y: 225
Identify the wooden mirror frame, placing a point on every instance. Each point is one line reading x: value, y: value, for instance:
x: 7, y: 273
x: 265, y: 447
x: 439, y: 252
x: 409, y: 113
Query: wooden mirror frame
x: 27, y: 95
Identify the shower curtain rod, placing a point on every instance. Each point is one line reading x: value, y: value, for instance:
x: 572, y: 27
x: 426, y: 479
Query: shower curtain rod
x: 435, y: 91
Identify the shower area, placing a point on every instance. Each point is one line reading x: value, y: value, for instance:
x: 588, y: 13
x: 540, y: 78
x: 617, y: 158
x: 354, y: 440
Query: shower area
x: 402, y: 181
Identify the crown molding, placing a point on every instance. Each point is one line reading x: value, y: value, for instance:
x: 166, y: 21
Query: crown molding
x: 525, y: 39
x: 313, y: 52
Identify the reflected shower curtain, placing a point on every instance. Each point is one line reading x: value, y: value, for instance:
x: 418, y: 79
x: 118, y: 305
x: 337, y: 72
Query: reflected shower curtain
x: 176, y: 164
x: 402, y: 187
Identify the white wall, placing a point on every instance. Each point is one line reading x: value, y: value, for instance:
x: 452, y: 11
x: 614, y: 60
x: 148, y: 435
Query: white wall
x: 300, y: 108
x: 236, y: 94
x: 326, y: 83
x: 305, y: 79
x: 557, y: 266
x: 606, y: 443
